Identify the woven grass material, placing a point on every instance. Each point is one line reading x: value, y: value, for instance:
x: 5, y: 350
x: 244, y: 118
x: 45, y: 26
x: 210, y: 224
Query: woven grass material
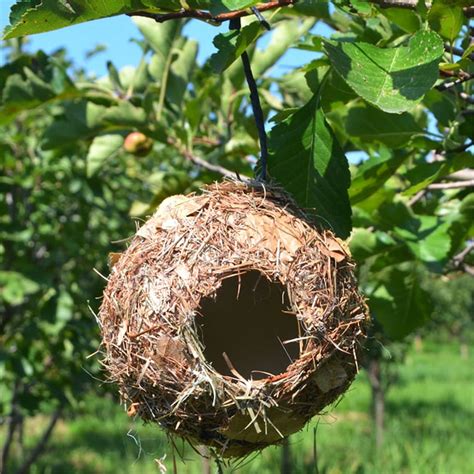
x: 150, y: 317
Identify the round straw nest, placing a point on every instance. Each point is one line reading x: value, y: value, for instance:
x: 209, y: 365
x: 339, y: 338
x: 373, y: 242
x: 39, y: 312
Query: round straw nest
x: 165, y: 285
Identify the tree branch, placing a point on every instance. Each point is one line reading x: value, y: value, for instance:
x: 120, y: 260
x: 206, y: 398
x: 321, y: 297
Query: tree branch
x: 206, y: 16
x: 214, y: 168
x: 40, y: 446
x: 447, y: 85
x: 396, y: 3
x: 459, y: 258
x: 452, y: 185
x: 457, y: 51
x: 462, y: 175
x: 12, y: 425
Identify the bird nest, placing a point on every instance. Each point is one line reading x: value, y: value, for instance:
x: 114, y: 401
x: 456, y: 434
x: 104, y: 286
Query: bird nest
x: 231, y: 320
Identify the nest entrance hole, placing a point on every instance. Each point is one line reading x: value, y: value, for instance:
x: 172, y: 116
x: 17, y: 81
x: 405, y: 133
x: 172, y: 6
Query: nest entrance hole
x: 247, y: 322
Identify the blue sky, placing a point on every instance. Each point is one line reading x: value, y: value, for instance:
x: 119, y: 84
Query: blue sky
x: 116, y: 33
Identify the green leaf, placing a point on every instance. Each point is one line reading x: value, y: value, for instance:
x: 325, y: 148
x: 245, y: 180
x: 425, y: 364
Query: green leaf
x: 231, y: 45
x: 392, y: 79
x: 125, y: 115
x: 442, y: 105
x: 399, y: 303
x: 445, y: 18
x: 15, y: 287
x: 373, y: 173
x: 430, y: 242
x: 284, y: 35
x: 423, y: 174
x: 34, y: 16
x: 309, y: 162
x: 316, y: 8
x: 180, y: 73
x: 365, y: 244
x: 31, y: 82
x: 407, y: 20
x: 221, y: 6
x: 164, y: 184
x: 81, y: 120
x: 161, y: 37
x: 102, y: 148
x: 373, y: 125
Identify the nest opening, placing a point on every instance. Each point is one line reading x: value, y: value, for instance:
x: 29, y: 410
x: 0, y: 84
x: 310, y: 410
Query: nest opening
x: 246, y: 326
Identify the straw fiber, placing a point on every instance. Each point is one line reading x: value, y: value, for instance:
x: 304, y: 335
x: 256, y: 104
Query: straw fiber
x: 232, y: 319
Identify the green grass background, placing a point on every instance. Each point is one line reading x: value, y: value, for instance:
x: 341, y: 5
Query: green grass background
x: 429, y: 429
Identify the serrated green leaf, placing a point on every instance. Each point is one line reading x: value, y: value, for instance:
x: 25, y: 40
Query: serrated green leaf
x: 392, y: 79
x: 308, y: 161
x: 424, y: 174
x: 101, y: 149
x: 373, y: 173
x: 372, y: 125
x: 284, y: 35
x: 34, y: 16
x: 231, y: 45
x: 446, y: 18
x: 407, y: 20
x: 430, y: 242
x: 365, y: 244
x: 400, y: 304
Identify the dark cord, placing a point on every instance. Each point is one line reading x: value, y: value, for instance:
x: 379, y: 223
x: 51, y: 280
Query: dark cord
x: 256, y: 106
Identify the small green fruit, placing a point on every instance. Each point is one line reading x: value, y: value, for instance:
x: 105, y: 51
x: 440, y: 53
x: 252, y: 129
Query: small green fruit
x: 138, y: 144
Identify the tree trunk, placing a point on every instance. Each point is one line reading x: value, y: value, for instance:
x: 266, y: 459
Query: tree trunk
x: 41, y: 445
x: 378, y: 400
x: 206, y: 466
x: 12, y: 424
x: 286, y: 466
x: 464, y: 351
x: 418, y: 343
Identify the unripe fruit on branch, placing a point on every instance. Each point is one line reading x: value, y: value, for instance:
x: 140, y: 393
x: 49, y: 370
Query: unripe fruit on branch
x: 138, y: 144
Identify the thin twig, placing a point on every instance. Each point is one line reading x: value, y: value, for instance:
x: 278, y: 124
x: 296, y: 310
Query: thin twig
x: 396, y: 3
x: 205, y: 164
x: 416, y: 197
x: 206, y: 16
x: 468, y: 98
x: 214, y: 168
x: 457, y: 51
x: 461, y: 175
x: 447, y: 85
x: 40, y: 446
x: 459, y: 258
x: 452, y: 185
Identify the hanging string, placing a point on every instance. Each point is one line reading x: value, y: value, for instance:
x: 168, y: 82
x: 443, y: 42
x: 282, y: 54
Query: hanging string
x: 235, y: 24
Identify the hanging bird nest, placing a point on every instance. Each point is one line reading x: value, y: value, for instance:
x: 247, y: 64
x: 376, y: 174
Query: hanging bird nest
x: 231, y: 320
